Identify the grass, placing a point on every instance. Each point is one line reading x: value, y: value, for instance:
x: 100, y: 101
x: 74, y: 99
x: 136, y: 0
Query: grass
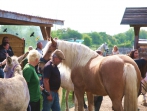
x: 70, y: 101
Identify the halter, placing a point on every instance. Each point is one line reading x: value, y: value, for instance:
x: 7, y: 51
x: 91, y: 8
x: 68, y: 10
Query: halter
x: 11, y: 71
x: 144, y: 89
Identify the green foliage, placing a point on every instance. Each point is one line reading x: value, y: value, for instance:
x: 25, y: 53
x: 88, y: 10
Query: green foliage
x: 95, y: 39
x: 67, y: 34
x: 87, y: 40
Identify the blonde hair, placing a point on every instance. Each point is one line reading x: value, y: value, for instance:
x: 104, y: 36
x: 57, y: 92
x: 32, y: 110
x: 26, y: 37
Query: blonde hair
x: 33, y: 55
x: 115, y: 47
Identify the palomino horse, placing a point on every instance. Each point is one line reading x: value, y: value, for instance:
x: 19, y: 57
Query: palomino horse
x: 116, y: 75
x: 14, y: 93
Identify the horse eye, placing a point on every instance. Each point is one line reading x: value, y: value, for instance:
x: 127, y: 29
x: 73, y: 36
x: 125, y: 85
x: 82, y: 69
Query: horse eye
x: 49, y: 51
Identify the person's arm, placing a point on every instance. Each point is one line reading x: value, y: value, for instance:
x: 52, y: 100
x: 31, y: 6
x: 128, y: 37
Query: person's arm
x: 47, y: 88
x: 3, y: 62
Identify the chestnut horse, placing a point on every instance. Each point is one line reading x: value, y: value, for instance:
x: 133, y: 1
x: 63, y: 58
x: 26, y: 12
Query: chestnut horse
x: 117, y: 76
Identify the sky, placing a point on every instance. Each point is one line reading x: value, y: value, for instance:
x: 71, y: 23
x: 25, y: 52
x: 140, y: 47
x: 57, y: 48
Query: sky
x: 80, y: 15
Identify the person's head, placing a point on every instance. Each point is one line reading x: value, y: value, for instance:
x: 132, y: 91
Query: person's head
x: 115, y: 48
x: 39, y: 45
x: 5, y: 45
x: 33, y: 57
x: 57, y: 57
x: 5, y: 39
x: 30, y: 48
x: 134, y: 54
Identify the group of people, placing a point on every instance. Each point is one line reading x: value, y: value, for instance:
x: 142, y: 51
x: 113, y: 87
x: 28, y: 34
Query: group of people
x: 51, y: 80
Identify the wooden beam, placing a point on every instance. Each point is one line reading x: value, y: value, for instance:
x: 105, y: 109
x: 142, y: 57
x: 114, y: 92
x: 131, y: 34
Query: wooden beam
x: 139, y: 25
x: 48, y: 30
x: 136, y: 33
x: 4, y: 21
x: 44, y: 33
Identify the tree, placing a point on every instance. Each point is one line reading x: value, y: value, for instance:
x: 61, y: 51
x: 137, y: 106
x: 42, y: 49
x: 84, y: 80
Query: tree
x: 87, y: 40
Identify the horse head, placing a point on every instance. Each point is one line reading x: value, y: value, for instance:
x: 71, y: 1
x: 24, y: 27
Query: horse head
x: 106, y: 47
x: 13, y: 65
x: 49, y: 49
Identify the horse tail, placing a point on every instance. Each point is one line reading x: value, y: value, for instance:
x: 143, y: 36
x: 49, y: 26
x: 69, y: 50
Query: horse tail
x: 130, y: 99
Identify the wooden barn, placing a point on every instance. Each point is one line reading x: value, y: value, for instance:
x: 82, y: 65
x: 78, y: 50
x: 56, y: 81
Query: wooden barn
x: 135, y: 17
x: 13, y: 18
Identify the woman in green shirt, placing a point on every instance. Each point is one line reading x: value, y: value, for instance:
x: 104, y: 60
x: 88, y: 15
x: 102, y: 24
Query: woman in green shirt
x: 32, y: 79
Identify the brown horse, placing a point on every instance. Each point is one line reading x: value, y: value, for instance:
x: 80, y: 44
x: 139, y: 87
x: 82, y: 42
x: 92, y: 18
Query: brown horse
x: 117, y: 76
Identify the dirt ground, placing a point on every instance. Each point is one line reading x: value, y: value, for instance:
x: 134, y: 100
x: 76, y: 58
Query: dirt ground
x: 107, y: 105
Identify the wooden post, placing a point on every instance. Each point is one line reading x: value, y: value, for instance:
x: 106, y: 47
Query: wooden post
x: 136, y: 32
x: 48, y: 30
x: 44, y: 33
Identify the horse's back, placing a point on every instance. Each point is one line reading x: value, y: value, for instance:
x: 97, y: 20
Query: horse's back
x: 14, y: 94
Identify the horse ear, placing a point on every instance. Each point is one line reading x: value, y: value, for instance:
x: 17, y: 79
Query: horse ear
x: 53, y: 42
x: 9, y: 60
x: 22, y: 57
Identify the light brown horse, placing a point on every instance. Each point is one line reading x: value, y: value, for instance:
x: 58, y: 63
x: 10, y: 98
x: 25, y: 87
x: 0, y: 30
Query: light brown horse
x: 117, y: 76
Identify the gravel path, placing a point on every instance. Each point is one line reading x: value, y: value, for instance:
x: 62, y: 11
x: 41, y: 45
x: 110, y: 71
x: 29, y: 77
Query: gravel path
x: 107, y: 105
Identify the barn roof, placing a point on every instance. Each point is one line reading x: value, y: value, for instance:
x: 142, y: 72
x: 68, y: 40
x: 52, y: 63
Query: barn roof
x: 13, y: 18
x: 135, y: 16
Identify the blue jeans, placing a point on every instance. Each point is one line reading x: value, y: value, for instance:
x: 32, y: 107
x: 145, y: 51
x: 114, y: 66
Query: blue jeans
x: 54, y: 104
x: 1, y: 73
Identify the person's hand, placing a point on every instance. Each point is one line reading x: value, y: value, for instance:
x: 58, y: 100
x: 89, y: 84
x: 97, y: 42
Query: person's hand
x: 0, y: 64
x: 50, y: 97
x: 7, y: 55
x: 41, y: 88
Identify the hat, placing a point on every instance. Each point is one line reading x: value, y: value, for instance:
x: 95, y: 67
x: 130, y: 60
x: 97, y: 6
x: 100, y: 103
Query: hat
x: 59, y: 54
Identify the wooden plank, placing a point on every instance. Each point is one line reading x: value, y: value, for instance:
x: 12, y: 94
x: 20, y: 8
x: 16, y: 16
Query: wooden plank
x: 44, y: 33
x: 48, y: 30
x: 5, y: 21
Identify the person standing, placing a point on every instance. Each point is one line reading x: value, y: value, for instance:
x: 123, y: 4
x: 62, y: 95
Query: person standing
x: 52, y: 81
x: 4, y: 52
x: 115, y: 50
x: 39, y: 48
x: 32, y: 79
x: 134, y: 54
x: 6, y: 39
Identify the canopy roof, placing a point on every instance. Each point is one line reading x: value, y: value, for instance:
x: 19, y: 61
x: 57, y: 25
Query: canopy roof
x: 135, y: 16
x: 13, y: 18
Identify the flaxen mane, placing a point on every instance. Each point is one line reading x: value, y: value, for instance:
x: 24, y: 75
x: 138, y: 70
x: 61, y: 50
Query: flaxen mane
x: 79, y: 52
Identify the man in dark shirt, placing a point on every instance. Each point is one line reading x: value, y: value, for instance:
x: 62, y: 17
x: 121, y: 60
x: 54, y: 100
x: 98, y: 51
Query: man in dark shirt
x: 52, y: 81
